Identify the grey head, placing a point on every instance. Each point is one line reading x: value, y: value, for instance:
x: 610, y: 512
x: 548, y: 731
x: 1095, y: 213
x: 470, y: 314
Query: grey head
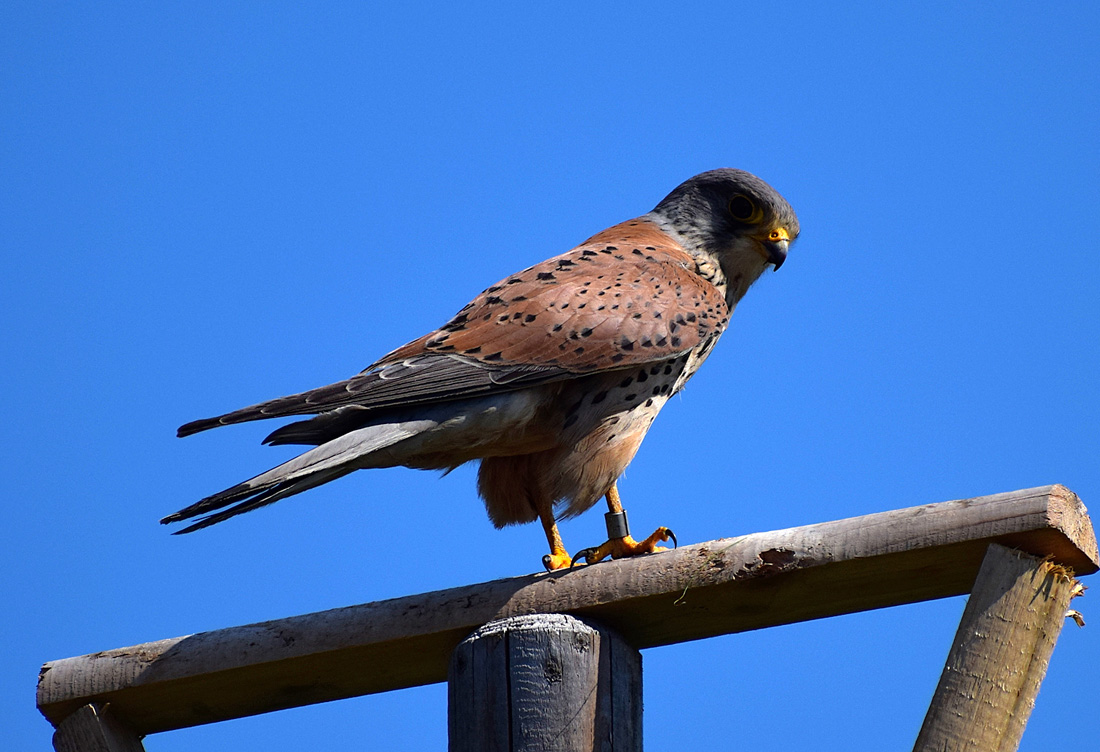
x: 730, y: 219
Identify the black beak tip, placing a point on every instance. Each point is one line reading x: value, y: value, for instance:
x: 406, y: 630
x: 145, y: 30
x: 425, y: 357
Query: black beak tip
x: 777, y: 252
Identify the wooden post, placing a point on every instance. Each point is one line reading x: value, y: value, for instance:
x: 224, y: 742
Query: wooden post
x: 93, y: 728
x: 1000, y: 654
x: 544, y: 682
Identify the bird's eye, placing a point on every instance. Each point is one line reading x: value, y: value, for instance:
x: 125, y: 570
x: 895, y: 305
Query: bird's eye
x: 743, y: 209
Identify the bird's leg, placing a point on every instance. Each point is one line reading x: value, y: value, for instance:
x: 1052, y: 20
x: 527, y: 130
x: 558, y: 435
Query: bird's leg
x: 614, y: 503
x: 558, y: 558
x: 619, y: 543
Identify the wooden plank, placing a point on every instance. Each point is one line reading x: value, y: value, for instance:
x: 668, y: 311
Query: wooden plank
x: 1000, y: 654
x: 704, y: 590
x: 95, y: 729
x: 544, y: 682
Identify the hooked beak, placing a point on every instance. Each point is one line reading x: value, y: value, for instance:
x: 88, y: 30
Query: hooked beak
x: 775, y: 247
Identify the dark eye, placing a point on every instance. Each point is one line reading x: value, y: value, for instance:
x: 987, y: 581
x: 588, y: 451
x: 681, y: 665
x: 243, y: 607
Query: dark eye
x: 742, y: 208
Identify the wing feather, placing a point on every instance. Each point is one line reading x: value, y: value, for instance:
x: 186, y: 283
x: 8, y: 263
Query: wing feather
x: 625, y: 297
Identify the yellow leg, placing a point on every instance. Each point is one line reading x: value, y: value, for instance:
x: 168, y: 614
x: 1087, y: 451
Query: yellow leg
x: 614, y: 503
x: 558, y: 558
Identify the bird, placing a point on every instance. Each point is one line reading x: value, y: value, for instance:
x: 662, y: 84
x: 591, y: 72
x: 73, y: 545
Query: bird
x: 549, y: 378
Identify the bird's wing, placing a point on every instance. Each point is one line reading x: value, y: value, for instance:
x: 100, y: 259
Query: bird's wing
x: 426, y: 377
x: 625, y: 297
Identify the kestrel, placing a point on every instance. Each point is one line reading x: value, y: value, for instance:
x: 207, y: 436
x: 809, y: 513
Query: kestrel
x: 550, y: 378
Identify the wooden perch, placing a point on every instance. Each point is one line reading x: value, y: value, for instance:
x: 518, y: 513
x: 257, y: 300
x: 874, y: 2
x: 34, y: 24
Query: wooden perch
x: 703, y: 590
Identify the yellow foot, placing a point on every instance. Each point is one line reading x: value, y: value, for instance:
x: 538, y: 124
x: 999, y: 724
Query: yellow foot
x: 557, y: 560
x: 617, y: 548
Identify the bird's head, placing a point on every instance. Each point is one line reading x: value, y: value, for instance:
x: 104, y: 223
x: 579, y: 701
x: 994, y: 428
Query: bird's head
x: 732, y: 218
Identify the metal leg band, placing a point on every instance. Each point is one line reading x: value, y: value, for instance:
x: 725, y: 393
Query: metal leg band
x: 617, y: 526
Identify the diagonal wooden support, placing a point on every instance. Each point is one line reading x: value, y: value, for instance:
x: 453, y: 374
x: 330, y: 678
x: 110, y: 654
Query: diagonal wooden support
x: 94, y: 728
x: 1000, y: 654
x: 699, y: 591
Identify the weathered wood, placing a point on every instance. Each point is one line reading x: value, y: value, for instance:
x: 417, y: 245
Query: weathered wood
x: 93, y: 728
x: 999, y: 656
x: 708, y: 589
x: 545, y: 683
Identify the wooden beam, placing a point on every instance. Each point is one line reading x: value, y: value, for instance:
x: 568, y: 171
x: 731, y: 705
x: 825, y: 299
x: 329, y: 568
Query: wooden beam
x: 1000, y: 654
x: 698, y: 591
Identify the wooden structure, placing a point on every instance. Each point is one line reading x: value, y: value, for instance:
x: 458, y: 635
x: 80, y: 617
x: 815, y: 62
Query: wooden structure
x: 1016, y: 553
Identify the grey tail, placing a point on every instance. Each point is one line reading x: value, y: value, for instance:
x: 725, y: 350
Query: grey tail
x: 329, y: 461
x: 245, y: 499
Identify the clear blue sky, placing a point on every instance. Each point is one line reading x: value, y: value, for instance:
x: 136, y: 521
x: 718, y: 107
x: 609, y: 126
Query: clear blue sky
x: 202, y: 207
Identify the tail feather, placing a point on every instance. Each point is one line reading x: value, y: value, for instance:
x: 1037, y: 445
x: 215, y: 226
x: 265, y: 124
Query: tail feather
x: 319, y: 465
x: 269, y: 496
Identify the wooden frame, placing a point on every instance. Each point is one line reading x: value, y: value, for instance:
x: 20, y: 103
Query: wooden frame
x: 698, y: 591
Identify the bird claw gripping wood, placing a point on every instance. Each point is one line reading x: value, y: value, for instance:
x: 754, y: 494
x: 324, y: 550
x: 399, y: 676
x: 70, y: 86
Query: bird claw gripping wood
x: 554, y: 562
x: 619, y: 544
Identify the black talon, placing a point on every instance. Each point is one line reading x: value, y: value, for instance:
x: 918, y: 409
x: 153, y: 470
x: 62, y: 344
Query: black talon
x: 673, y: 536
x: 546, y: 562
x: 585, y: 552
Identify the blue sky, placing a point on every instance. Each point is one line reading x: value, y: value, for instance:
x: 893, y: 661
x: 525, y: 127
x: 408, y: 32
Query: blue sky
x: 207, y: 205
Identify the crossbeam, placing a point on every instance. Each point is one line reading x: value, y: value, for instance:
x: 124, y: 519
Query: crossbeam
x: 698, y: 591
